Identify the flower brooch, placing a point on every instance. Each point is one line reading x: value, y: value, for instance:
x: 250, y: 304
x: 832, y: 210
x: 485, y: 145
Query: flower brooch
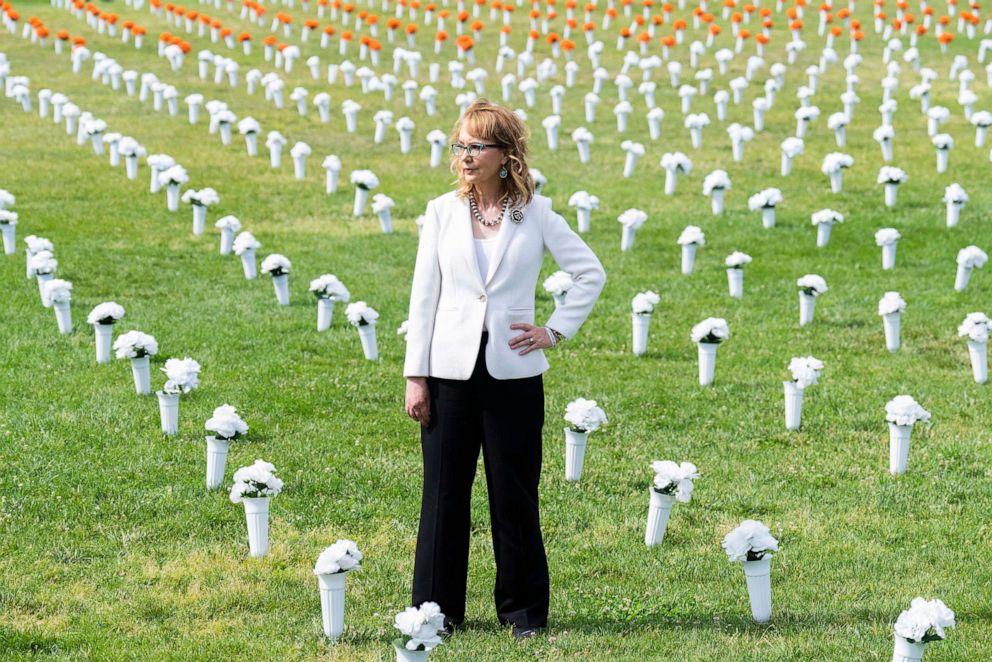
x: 517, y: 216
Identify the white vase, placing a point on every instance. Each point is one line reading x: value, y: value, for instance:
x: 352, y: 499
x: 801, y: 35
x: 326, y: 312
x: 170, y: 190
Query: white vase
x: 386, y: 221
x: 823, y: 234
x: 786, y: 165
x: 906, y: 651
x: 671, y: 179
x: 332, y: 603
x: 104, y: 339
x: 199, y: 219
x: 280, y: 282
x: 325, y: 313
x: 172, y: 196
x: 836, y: 181
x: 63, y: 316
x: 953, y: 212
x: 659, y: 510
x: 131, y: 166
x: 403, y: 655
x: 889, y: 256
x: 759, y: 588
x: 361, y: 199
x: 366, y: 333
x: 899, y: 448
x: 42, y: 279
x: 891, y: 190
x: 299, y: 167
x: 168, y: 409
x: 793, y: 405
x: 891, y: 323
x: 768, y: 217
x: 141, y: 372
x: 575, y: 453
x: 688, y: 258
x: 226, y: 240
x: 807, y: 305
x: 735, y: 281
x: 716, y: 201
x: 627, y: 238
x: 979, y: 353
x: 248, y: 264
x: 9, y: 232
x: 707, y: 362
x: 251, y: 146
x: 331, y: 181
x: 961, y: 278
x: 216, y: 461
x: 640, y: 324
x: 257, y: 517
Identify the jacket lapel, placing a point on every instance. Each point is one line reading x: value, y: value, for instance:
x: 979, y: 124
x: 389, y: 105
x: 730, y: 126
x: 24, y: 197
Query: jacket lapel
x: 505, y: 235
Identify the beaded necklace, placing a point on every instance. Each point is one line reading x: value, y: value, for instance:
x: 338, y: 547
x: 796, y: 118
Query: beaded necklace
x: 482, y: 219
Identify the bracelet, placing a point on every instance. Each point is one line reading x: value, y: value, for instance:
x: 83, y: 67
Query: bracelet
x: 553, y: 336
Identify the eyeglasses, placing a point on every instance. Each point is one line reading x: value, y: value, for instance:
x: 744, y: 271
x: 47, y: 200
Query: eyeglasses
x: 473, y: 150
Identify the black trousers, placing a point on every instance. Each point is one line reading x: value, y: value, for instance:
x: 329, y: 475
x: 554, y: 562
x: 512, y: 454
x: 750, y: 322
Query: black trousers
x: 505, y: 418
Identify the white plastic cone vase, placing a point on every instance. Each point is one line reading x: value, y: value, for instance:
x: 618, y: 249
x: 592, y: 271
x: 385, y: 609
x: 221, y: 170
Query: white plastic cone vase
x: 248, y: 264
x: 823, y: 234
x: 640, y: 324
x: 131, y: 167
x: 300, y: 167
x: 768, y: 217
x: 141, y: 372
x: 627, y: 238
x: 793, y: 405
x: 386, y: 221
x: 325, y: 313
x: 688, y: 258
x: 403, y: 655
x: 104, y: 338
x: 979, y: 353
x: 251, y: 146
x: 759, y: 588
x: 906, y: 651
x: 659, y: 510
x: 942, y: 156
x: 891, y: 191
x: 899, y: 448
x: 172, y: 197
x: 225, y: 133
x: 331, y: 181
x: 361, y: 199
x: 332, y: 603
x: 707, y: 362
x: 63, y: 315
x: 786, y: 165
x: 199, y: 219
x: 583, y: 148
x: 716, y: 201
x: 807, y: 305
x: 257, y: 517
x: 226, y: 241
x: 168, y: 409
x: 735, y: 281
x: 836, y: 181
x: 953, y: 212
x: 42, y: 279
x: 366, y: 333
x: 9, y: 232
x: 583, y: 219
x: 575, y: 453
x: 889, y: 256
x: 961, y: 278
x: 670, y: 180
x: 280, y: 283
x: 216, y: 461
x: 891, y: 323
x: 628, y: 165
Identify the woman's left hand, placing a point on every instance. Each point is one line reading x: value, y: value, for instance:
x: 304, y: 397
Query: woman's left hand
x: 533, y: 337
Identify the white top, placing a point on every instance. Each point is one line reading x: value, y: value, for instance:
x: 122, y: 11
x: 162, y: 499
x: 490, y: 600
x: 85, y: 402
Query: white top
x: 484, y: 249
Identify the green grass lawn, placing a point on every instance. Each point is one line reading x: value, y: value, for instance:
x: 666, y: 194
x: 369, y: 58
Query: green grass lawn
x: 112, y: 549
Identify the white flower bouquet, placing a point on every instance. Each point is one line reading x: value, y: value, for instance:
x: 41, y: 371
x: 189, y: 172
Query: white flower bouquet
x: 633, y: 152
x: 245, y: 246
x: 805, y: 372
x: 382, y: 206
x: 955, y: 198
x: 183, y: 376
x: 672, y: 482
x: 766, y: 201
x: 583, y: 417
x: 584, y: 203
x: 300, y: 151
x: 969, y: 258
x: 437, y: 140
x: 274, y: 142
x: 791, y: 148
x: 420, y: 629
x: 810, y: 287
x: 715, y: 185
x: 328, y: 290
x: 172, y: 178
x: 363, y: 317
x: 891, y: 307
x: 364, y: 181
x: 735, y: 272
x: 902, y: 412
x: 630, y: 220
x: 675, y: 164
x: 708, y: 335
x: 332, y: 173
x: 58, y: 293
x: 692, y: 237
x: 103, y: 317
x: 200, y: 201
x: 582, y: 137
x: 137, y: 347
x: 226, y: 426
x: 925, y: 621
x: 976, y: 329
x: 642, y: 307
x: 278, y: 266
x: 824, y: 221
x: 943, y: 143
x: 228, y: 226
x: 891, y: 177
x: 331, y: 568
x: 254, y: 486
x: 883, y: 135
x: 752, y: 543
x: 33, y: 246
x: 887, y: 238
x: 834, y: 164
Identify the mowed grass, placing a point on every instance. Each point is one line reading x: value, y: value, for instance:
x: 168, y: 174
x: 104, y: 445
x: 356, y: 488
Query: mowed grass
x: 112, y: 548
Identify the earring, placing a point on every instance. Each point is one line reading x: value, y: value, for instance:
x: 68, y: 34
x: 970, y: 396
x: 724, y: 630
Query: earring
x: 502, y: 172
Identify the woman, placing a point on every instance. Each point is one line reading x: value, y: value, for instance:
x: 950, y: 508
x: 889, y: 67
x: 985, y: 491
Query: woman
x: 474, y: 361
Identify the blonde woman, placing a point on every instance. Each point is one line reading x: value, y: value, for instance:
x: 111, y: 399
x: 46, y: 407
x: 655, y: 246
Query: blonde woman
x: 474, y: 361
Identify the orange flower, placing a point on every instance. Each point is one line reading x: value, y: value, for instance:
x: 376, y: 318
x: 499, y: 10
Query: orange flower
x: 365, y: 40
x: 761, y: 39
x: 375, y: 45
x: 411, y: 28
x: 857, y: 35
x: 329, y: 30
x: 243, y: 37
x: 670, y: 40
x: 63, y: 35
x: 534, y: 35
x: 796, y: 25
x: 743, y: 34
x: 625, y: 32
x: 567, y: 45
x: 679, y: 24
x: 553, y: 38
x: 588, y: 27
x: 462, y: 16
x: 139, y: 30
x: 441, y: 36
x: 921, y: 30
x: 78, y: 41
x: 465, y: 42
x: 505, y: 29
x: 346, y: 35
x: 644, y: 37
x: 476, y: 26
x: 226, y: 32
x: 945, y: 38
x: 270, y: 40
x: 311, y: 24
x: 165, y: 36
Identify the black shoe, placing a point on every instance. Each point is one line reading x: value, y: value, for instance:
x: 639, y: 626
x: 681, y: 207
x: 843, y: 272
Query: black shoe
x: 525, y: 631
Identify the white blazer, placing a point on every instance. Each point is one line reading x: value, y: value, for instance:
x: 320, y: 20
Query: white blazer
x: 449, y: 301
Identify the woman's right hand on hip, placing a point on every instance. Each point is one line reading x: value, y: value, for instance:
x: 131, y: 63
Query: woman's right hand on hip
x: 418, y: 400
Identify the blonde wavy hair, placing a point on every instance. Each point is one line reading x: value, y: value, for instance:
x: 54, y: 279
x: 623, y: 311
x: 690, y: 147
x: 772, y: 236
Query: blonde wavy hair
x: 495, y: 124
